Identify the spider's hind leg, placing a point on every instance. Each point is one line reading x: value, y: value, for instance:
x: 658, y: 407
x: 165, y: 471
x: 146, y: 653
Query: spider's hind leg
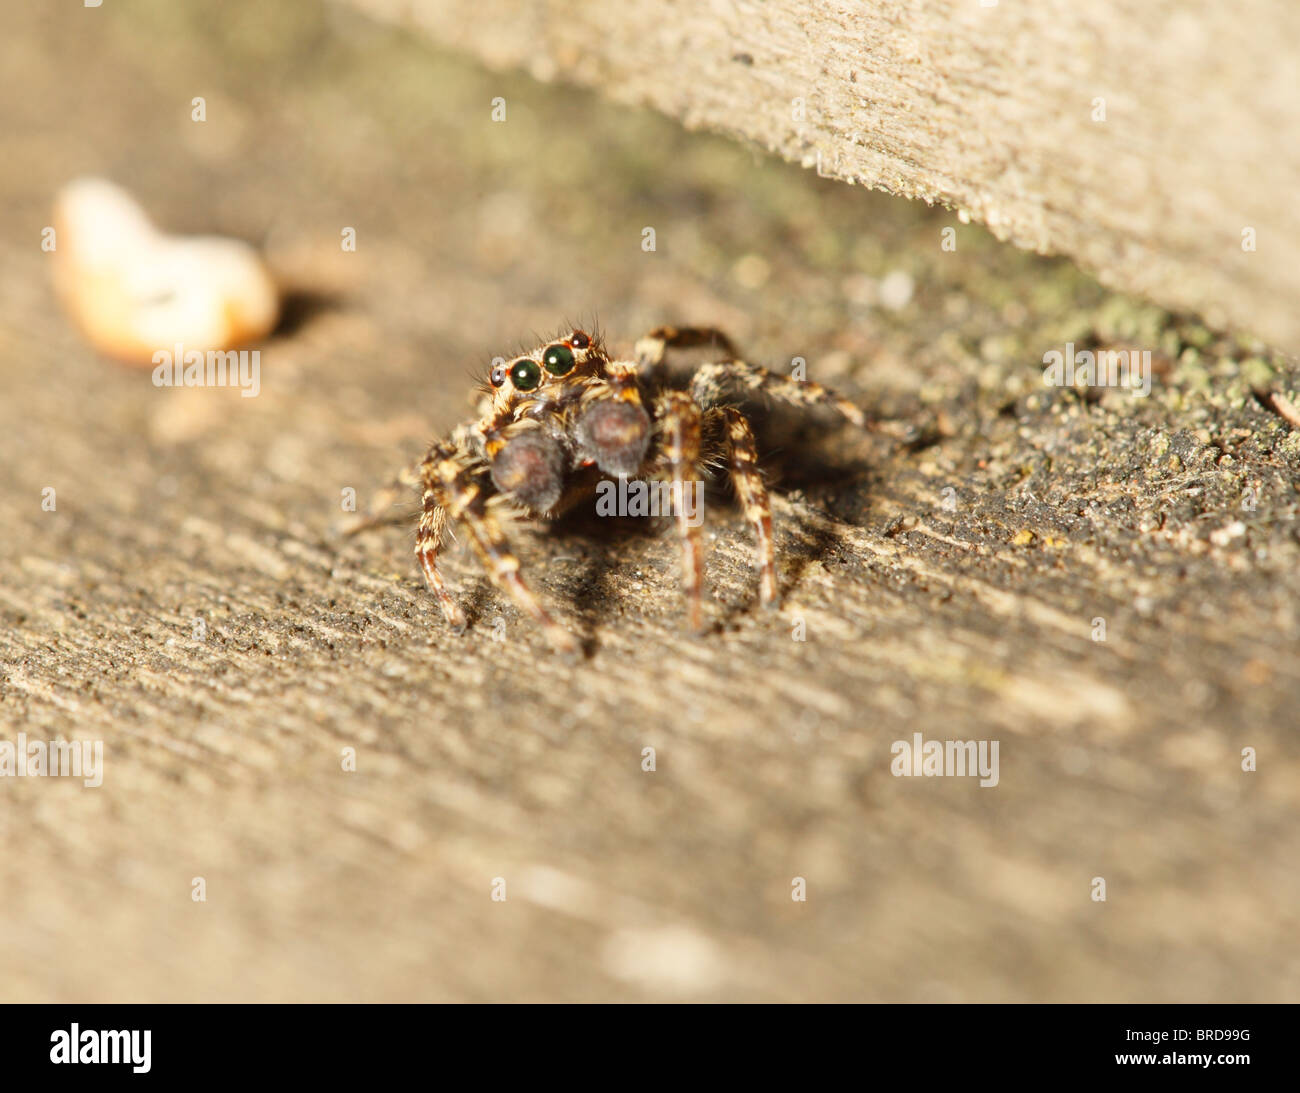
x: 712, y: 381
x: 651, y: 349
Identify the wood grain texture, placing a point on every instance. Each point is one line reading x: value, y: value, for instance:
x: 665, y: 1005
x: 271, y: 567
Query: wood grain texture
x: 951, y: 587
x: 989, y: 111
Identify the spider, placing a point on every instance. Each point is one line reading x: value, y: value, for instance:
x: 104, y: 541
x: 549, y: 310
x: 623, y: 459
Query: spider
x: 555, y: 419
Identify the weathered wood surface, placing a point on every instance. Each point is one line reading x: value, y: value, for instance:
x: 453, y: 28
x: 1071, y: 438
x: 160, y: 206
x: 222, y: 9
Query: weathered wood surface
x: 1141, y: 139
x: 480, y: 759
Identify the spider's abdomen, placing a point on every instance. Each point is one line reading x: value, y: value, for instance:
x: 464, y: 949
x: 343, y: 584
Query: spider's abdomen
x: 615, y: 434
x: 530, y: 468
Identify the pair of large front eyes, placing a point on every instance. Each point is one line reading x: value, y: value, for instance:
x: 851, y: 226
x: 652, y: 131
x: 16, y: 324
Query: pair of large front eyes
x: 525, y: 373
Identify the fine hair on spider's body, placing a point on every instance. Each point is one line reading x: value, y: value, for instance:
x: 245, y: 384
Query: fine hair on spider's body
x: 567, y: 409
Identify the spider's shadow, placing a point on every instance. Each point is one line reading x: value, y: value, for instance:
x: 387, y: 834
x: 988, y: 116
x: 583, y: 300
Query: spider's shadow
x: 826, y: 462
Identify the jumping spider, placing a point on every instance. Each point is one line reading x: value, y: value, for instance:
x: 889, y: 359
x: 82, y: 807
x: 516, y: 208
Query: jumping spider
x: 555, y: 418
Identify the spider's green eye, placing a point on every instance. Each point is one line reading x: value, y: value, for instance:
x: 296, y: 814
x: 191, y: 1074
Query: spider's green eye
x: 558, y: 359
x: 525, y: 374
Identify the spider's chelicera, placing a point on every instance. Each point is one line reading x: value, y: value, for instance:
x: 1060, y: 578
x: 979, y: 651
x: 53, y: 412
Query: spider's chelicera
x: 555, y: 419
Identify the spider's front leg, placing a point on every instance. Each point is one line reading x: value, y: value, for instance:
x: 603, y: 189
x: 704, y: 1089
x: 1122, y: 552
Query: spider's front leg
x: 458, y: 492
x: 410, y: 477
x: 432, y: 527
x: 680, y: 455
x: 743, y: 453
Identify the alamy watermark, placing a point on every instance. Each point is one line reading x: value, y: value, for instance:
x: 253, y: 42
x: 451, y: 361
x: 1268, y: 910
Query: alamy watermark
x: 217, y: 368
x: 642, y: 497
x: 921, y: 758
x: 1129, y: 368
x: 82, y: 759
x: 117, y: 1047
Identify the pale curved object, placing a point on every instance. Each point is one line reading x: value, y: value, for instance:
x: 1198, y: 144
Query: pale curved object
x: 135, y: 291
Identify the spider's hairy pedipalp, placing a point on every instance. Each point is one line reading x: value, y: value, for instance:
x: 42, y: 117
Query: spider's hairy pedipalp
x: 611, y: 427
x: 527, y: 463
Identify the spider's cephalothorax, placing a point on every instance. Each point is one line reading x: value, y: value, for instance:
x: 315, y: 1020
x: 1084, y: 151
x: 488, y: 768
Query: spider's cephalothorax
x: 552, y: 418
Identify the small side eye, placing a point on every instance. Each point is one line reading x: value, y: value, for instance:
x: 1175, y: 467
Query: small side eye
x: 579, y: 340
x: 498, y: 374
x: 525, y: 374
x: 558, y: 359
